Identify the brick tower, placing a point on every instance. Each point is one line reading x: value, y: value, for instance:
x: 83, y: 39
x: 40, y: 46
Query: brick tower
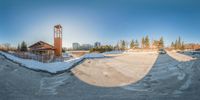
x: 58, y: 40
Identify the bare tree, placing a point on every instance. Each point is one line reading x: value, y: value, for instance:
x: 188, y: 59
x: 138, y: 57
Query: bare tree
x: 6, y: 46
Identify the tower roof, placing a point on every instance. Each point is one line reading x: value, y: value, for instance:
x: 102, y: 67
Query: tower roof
x: 58, y: 26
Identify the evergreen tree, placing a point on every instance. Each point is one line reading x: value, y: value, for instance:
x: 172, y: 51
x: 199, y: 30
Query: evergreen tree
x: 24, y: 47
x: 132, y: 44
x: 123, y: 45
x: 136, y: 44
x: 176, y: 45
x: 147, y: 42
x: 117, y: 47
x: 143, y: 42
x: 172, y: 45
x: 156, y: 44
x: 18, y: 47
x: 161, y: 43
x: 182, y: 46
x: 179, y: 43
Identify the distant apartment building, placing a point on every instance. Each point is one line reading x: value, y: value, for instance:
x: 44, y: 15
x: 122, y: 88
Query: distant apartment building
x: 76, y: 46
x: 97, y: 44
x: 86, y: 46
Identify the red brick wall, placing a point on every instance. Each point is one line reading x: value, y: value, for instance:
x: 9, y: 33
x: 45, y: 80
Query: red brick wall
x: 58, y: 46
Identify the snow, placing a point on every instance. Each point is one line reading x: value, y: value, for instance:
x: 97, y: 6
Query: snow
x: 130, y: 52
x: 194, y: 54
x: 66, y: 55
x: 114, y: 52
x: 180, y: 57
x: 143, y: 52
x: 115, y: 70
x: 48, y: 85
x: 93, y: 55
x: 54, y: 67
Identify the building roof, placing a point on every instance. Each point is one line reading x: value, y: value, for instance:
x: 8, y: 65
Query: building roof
x: 40, y: 45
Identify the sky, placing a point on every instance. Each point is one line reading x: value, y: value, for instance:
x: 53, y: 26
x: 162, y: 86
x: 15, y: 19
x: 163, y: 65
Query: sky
x: 105, y: 21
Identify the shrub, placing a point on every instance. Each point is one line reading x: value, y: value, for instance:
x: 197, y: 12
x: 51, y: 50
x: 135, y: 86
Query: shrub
x: 102, y: 49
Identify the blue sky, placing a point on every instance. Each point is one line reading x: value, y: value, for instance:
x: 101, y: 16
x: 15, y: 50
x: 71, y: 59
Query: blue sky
x: 106, y: 21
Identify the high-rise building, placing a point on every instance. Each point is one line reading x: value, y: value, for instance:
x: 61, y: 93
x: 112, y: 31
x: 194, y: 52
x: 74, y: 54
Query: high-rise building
x: 97, y: 44
x: 76, y: 46
x: 86, y: 46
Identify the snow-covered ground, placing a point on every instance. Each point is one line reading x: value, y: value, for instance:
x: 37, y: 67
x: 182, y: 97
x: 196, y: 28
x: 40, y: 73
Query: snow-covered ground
x: 177, y: 68
x: 114, y: 52
x: 130, y: 67
x: 168, y: 79
x: 180, y: 57
x: 195, y: 54
x: 116, y: 69
x: 50, y: 67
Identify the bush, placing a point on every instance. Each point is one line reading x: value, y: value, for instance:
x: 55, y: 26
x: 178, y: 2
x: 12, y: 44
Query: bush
x: 102, y: 49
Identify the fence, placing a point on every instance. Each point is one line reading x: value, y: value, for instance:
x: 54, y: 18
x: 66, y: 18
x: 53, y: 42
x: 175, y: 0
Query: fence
x: 42, y: 58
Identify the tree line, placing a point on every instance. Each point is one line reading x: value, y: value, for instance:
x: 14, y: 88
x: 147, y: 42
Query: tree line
x: 102, y: 49
x: 145, y: 44
x: 7, y: 47
x: 133, y: 44
x: 178, y: 44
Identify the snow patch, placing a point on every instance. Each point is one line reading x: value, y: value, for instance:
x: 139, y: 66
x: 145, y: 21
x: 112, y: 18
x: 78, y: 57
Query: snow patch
x: 186, y: 84
x: 135, y: 88
x: 49, y: 85
x: 54, y: 67
x: 181, y: 76
x: 93, y: 55
x: 114, y: 52
x: 180, y: 57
